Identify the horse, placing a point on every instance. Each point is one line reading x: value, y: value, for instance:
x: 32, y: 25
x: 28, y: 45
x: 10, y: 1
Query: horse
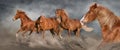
x: 69, y: 24
x: 109, y: 22
x: 43, y: 23
x: 26, y: 23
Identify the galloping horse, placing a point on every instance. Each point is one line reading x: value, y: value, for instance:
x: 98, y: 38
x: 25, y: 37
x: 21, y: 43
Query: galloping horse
x: 43, y: 23
x: 67, y: 23
x: 26, y: 23
x: 109, y: 22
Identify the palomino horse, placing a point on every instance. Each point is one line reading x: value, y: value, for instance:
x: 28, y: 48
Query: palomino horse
x: 26, y: 23
x: 109, y: 22
x: 51, y: 24
x: 67, y: 23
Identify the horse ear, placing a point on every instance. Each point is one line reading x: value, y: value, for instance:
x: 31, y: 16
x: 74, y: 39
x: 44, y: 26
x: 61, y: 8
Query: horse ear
x: 18, y: 10
x: 41, y: 18
x: 93, y: 6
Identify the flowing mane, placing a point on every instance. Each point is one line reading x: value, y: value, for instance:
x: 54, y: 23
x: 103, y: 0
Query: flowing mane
x: 110, y: 18
x: 65, y: 13
x: 67, y: 23
x: 26, y: 16
x: 109, y: 22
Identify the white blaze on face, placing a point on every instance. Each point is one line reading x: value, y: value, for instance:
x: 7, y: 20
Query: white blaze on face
x: 82, y: 18
x: 85, y: 27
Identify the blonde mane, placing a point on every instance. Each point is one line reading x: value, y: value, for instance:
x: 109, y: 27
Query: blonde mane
x: 65, y: 12
x: 108, y: 17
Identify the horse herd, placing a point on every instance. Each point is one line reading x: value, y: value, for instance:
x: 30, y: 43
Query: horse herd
x: 109, y: 23
x: 54, y: 24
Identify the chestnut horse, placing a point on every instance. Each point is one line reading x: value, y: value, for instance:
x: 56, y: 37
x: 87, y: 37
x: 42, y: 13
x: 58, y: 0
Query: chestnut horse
x: 26, y: 23
x: 109, y: 22
x: 43, y: 23
x: 67, y: 23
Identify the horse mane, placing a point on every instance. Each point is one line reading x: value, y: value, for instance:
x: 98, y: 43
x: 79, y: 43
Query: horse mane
x: 26, y: 16
x: 39, y: 18
x: 65, y: 13
x: 23, y: 13
x: 110, y: 18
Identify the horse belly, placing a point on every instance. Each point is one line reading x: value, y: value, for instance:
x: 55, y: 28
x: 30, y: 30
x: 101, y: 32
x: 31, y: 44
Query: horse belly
x: 73, y: 27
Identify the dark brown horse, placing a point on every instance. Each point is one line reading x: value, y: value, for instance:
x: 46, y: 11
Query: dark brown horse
x: 67, y: 23
x: 26, y: 23
x: 109, y: 22
x: 43, y: 23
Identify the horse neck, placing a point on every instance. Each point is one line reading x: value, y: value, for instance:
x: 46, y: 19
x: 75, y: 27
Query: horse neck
x: 108, y: 20
x: 64, y: 17
x: 24, y: 18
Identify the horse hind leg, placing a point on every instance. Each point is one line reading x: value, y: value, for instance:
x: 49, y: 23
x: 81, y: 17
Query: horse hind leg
x: 53, y: 34
x: 116, y: 37
x: 69, y: 33
x: 30, y: 32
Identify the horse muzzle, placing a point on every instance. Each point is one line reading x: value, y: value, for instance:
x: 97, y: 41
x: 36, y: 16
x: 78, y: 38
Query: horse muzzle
x: 13, y: 19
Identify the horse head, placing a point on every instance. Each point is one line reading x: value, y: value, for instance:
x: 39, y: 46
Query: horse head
x: 90, y: 15
x: 18, y: 14
x: 61, y: 14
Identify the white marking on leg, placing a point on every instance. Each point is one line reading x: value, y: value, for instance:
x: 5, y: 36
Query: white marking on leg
x: 16, y: 35
x: 61, y: 37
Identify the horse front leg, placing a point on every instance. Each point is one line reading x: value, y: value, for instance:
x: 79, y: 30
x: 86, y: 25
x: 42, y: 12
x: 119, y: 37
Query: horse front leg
x: 23, y: 34
x: 18, y: 32
x: 43, y: 36
x: 60, y: 32
x: 101, y: 44
x: 69, y: 33
x: 17, y: 39
x: 78, y: 32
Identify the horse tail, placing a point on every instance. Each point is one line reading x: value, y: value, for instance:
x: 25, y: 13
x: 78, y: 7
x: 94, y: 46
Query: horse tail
x: 85, y: 27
